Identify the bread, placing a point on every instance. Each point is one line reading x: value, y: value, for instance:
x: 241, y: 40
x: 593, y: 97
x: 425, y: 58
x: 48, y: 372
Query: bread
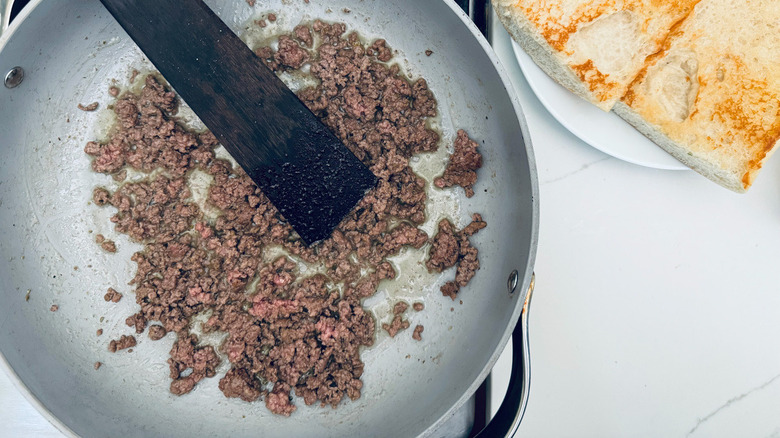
x: 705, y: 89
x: 593, y: 47
x: 710, y: 97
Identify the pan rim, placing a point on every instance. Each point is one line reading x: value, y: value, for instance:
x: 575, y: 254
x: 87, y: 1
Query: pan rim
x: 532, y: 251
x: 16, y: 381
x: 532, y: 172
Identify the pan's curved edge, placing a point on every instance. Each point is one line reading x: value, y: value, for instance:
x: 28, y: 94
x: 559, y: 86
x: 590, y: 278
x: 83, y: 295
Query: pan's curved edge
x: 33, y: 400
x: 532, y: 171
x: 44, y: 411
x: 4, y: 365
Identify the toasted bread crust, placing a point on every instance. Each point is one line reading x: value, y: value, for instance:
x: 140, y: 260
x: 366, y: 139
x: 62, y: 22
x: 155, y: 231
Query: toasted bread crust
x: 601, y: 44
x: 705, y: 89
x: 733, y: 123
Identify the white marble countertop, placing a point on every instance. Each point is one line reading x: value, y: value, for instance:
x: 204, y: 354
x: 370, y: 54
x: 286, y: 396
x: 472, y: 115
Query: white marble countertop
x: 657, y: 303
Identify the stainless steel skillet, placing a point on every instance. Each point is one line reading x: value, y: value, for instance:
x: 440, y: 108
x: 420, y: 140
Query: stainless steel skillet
x: 69, y: 50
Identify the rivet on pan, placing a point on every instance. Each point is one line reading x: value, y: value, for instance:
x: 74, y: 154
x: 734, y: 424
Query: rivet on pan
x: 14, y: 77
x: 511, y: 283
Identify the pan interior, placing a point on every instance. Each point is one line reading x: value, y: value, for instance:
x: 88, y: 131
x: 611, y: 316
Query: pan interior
x: 70, y: 52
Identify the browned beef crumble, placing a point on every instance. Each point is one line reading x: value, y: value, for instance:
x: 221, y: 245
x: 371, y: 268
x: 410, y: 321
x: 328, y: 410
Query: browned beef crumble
x: 100, y: 196
x: 99, y: 332
x: 190, y: 363
x: 157, y: 332
x: 120, y: 344
x: 113, y: 91
x: 417, y: 334
x: 91, y: 107
x: 54, y: 308
x: 112, y: 295
x: 463, y: 165
x: 120, y: 176
x: 108, y: 246
x: 418, y: 307
x: 452, y: 247
x: 289, y: 334
x: 138, y: 321
x: 398, y: 323
x: 98, y: 365
x: 303, y: 34
x: 238, y: 383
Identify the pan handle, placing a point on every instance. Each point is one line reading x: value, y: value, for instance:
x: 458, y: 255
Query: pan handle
x: 479, y: 12
x: 512, y: 409
x: 5, y: 14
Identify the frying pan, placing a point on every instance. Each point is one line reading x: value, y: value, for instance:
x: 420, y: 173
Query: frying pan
x: 69, y: 52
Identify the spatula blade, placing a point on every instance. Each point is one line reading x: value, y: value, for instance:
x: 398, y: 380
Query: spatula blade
x: 300, y: 165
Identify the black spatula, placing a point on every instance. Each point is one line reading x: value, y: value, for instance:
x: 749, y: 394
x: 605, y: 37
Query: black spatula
x: 306, y: 172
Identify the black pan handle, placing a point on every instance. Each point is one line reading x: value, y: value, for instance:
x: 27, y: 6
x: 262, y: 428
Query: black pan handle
x: 512, y: 409
x: 480, y: 12
x: 16, y: 7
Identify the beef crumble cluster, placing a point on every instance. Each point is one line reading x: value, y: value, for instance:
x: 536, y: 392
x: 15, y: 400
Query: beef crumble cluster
x: 286, y: 333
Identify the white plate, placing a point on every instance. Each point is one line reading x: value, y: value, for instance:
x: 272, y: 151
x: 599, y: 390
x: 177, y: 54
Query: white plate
x: 604, y: 131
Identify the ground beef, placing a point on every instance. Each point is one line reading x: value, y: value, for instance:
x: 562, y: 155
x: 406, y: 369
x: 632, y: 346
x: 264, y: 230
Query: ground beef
x: 237, y: 383
x: 190, y: 363
x: 157, y: 332
x: 418, y: 307
x: 113, y: 91
x: 98, y: 365
x: 416, y: 335
x: 289, y: 334
x: 138, y: 321
x: 463, y: 165
x: 381, y: 50
x: 100, y: 196
x: 445, y: 248
x: 120, y: 176
x: 452, y: 247
x: 91, y: 107
x: 108, y: 246
x: 99, y: 332
x: 398, y: 322
x: 303, y: 34
x: 54, y: 308
x: 396, y: 325
x: 112, y: 295
x: 123, y: 342
x: 278, y: 401
x: 291, y: 54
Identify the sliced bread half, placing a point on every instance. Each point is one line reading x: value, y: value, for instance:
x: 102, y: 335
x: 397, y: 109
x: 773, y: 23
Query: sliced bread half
x: 595, y: 48
x: 710, y: 97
